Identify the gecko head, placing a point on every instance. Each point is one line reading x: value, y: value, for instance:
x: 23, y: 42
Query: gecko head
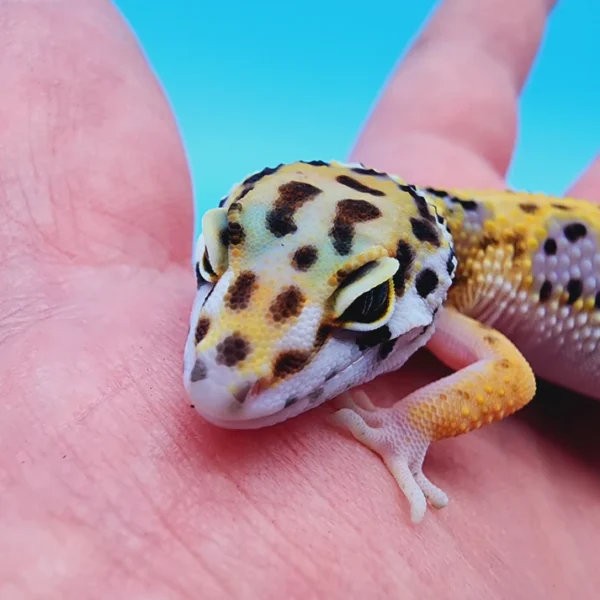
x: 309, y: 282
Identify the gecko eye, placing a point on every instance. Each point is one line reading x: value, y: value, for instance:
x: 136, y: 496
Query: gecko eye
x: 369, y: 307
x: 365, y: 299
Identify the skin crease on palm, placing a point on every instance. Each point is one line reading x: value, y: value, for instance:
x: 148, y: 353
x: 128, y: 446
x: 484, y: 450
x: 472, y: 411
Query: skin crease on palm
x: 111, y: 486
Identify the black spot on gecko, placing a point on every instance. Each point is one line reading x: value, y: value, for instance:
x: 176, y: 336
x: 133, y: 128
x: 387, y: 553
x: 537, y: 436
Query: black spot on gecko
x: 550, y: 247
x: 322, y: 336
x: 331, y: 375
x: 290, y: 401
x: 292, y: 195
x: 358, y: 186
x: 222, y: 201
x: 427, y: 281
x: 365, y: 171
x: 469, y: 205
x: 305, y: 257
x: 243, y: 193
x: 425, y: 231
x: 420, y: 202
x: 561, y: 207
x: 575, y: 231
x: 342, y: 236
x: 545, y: 291
x: 258, y: 176
x: 405, y: 257
x: 574, y: 289
x: 529, y: 208
x: 436, y: 192
x: 315, y: 163
x: 315, y: 395
x: 199, y: 372
x: 374, y: 338
x: 224, y: 236
x: 349, y: 212
x: 386, y: 348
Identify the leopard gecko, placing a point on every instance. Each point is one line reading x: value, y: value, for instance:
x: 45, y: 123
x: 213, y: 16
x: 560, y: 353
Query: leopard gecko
x: 315, y: 277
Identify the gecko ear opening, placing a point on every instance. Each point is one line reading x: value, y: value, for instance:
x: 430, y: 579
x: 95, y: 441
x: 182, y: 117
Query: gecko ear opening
x: 365, y: 299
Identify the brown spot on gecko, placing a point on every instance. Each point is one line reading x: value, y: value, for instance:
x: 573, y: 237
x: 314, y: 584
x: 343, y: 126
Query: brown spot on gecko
x: 529, y: 208
x: 232, y: 350
x: 288, y: 303
x: 292, y: 195
x: 240, y: 291
x: 349, y: 212
x: 322, y: 336
x: 290, y: 362
x: 201, y: 329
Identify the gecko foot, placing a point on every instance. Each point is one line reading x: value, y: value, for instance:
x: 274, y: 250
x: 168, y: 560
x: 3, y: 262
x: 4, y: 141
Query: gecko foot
x: 389, y: 433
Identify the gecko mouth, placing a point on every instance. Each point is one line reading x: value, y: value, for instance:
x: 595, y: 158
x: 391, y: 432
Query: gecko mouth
x: 331, y: 386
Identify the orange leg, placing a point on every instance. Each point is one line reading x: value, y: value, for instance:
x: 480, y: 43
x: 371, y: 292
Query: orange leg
x: 492, y: 381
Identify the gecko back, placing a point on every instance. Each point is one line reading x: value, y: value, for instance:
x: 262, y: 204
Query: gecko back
x: 529, y: 266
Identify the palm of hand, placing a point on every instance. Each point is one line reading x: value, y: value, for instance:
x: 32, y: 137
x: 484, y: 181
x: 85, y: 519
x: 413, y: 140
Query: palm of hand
x: 111, y: 480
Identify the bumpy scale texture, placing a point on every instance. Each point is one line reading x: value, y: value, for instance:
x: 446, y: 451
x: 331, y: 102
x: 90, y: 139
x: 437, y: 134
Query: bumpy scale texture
x: 316, y: 277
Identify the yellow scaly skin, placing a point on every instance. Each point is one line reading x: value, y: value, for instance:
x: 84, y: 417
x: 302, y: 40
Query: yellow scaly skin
x: 316, y: 277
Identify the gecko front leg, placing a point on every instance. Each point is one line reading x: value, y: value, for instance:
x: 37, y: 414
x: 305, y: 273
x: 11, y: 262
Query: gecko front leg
x: 492, y: 380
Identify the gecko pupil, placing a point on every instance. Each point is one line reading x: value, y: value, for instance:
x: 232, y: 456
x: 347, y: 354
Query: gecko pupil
x: 368, y: 307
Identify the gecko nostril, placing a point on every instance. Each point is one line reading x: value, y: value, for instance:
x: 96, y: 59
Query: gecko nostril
x: 241, y: 392
x: 199, y: 371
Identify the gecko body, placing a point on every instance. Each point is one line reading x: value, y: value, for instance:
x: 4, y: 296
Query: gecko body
x: 315, y: 277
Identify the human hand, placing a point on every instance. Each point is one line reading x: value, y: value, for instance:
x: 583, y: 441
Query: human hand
x: 111, y: 485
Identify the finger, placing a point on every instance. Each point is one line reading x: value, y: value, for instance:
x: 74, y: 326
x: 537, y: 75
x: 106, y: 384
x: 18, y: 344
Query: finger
x: 449, y: 114
x: 91, y: 166
x: 588, y: 185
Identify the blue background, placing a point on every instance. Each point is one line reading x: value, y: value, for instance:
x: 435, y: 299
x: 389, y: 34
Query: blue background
x: 258, y: 83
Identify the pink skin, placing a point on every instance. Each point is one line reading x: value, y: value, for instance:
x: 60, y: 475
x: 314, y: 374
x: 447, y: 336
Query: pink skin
x: 110, y: 485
